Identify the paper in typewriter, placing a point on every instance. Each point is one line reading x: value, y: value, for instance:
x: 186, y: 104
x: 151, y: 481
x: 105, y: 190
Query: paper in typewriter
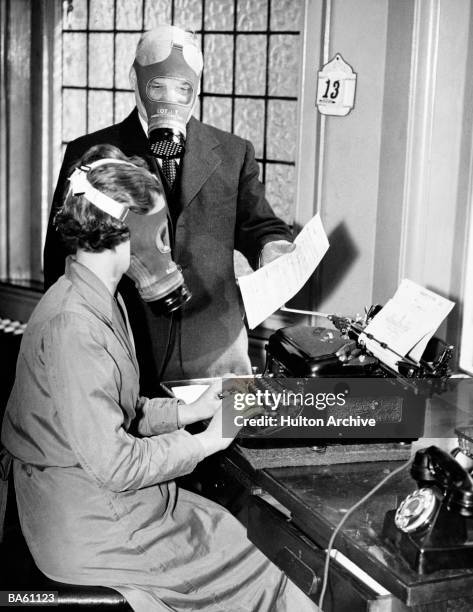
x: 267, y: 289
x: 406, y: 323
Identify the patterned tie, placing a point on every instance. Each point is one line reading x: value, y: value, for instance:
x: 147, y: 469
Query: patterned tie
x: 170, y: 169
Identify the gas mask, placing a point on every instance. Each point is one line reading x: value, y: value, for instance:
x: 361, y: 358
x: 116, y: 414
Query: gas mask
x: 168, y: 86
x: 157, y: 277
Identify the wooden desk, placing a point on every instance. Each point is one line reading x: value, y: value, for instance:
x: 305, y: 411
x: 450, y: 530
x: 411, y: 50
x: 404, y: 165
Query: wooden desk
x: 310, y: 502
x: 316, y: 499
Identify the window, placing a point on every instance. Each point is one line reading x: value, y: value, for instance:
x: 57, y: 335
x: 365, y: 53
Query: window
x: 250, y: 81
x: 29, y: 152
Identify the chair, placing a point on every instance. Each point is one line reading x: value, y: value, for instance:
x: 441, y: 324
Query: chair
x: 18, y: 571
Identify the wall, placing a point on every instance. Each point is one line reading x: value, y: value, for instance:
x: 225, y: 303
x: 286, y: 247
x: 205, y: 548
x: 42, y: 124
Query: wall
x: 395, y: 191
x: 358, y: 31
x: 392, y: 180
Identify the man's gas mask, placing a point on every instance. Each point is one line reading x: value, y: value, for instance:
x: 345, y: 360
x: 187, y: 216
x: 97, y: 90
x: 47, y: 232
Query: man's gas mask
x: 168, y: 68
x: 157, y: 277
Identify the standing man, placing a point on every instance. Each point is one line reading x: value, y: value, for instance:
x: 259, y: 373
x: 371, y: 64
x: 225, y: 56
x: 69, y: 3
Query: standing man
x: 216, y: 203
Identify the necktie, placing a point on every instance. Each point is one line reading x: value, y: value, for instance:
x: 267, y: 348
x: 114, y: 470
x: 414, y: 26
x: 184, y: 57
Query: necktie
x: 169, y: 170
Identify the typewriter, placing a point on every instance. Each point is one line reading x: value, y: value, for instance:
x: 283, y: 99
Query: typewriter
x: 303, y: 353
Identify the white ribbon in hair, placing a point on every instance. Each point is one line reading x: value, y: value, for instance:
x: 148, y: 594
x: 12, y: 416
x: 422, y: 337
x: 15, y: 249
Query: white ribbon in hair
x: 80, y: 185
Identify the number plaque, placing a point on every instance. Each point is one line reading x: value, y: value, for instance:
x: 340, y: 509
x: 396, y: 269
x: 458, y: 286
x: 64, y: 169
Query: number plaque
x: 336, y: 87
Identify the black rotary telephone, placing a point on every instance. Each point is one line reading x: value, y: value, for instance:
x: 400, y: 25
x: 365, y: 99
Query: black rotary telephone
x: 433, y: 527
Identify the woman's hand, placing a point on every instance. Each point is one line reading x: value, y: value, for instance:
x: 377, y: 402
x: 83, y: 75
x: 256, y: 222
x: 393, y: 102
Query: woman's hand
x: 211, y: 400
x: 212, y: 439
x: 203, y: 408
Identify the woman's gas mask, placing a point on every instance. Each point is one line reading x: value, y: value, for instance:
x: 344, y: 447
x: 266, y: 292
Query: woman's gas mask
x: 168, y: 85
x: 157, y: 277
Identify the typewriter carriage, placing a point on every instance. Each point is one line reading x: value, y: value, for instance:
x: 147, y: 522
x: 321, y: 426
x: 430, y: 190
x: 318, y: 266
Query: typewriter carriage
x: 305, y: 351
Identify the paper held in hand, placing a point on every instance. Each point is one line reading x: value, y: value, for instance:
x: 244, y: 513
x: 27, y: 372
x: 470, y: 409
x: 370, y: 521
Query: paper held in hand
x: 267, y: 289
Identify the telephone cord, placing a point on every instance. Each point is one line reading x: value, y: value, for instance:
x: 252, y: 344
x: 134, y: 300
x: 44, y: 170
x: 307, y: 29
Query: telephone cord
x: 345, y: 517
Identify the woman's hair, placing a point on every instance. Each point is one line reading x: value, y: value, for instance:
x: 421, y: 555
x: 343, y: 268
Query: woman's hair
x: 83, y: 225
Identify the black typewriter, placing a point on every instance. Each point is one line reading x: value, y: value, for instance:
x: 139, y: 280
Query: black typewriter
x: 303, y: 353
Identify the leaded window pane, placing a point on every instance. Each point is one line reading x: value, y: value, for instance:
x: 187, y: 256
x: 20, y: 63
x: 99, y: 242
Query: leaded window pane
x: 188, y: 14
x: 100, y: 113
x: 156, y: 12
x: 287, y: 15
x: 284, y: 65
x: 280, y: 190
x: 100, y: 60
x: 129, y: 14
x: 74, y: 59
x: 125, y: 47
x: 74, y: 122
x: 101, y: 16
x: 252, y: 15
x: 75, y: 19
x: 282, y: 130
x: 219, y: 14
x: 218, y: 112
x: 249, y: 122
x: 124, y: 103
x: 251, y: 64
x: 218, y: 58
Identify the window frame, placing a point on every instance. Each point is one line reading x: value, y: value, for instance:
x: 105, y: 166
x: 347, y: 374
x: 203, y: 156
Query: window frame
x: 231, y: 95
x: 466, y: 338
x: 29, y: 146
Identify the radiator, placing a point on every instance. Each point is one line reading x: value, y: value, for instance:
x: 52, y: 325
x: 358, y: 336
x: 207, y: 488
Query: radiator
x: 16, y: 328
x: 10, y: 338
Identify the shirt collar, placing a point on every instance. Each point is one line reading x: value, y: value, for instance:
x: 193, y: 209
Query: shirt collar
x: 99, y: 300
x: 91, y: 288
x: 144, y: 124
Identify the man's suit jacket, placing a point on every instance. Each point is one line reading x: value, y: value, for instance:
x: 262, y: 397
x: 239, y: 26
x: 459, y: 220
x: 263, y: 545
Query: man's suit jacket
x: 223, y: 208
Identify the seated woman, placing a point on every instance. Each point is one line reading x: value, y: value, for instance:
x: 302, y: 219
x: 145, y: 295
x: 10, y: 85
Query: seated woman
x: 94, y: 463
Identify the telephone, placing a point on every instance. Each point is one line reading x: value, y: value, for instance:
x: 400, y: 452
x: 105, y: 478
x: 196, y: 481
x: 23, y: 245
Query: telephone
x: 433, y: 526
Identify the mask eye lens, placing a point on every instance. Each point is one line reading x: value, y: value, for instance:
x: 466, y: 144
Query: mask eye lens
x: 184, y: 92
x: 157, y: 91
x: 171, y: 90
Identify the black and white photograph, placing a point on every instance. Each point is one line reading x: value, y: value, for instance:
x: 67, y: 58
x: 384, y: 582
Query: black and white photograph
x: 236, y: 305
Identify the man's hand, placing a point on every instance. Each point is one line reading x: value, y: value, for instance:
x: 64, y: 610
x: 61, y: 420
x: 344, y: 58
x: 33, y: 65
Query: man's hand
x: 273, y: 250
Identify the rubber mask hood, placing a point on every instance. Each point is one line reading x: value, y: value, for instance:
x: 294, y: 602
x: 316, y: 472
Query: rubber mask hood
x: 168, y: 90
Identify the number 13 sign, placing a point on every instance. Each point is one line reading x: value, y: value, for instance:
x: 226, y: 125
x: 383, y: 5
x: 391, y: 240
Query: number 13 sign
x: 336, y: 87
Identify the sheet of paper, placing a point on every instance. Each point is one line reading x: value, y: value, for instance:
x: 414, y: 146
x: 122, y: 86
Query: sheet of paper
x: 267, y: 289
x: 189, y: 393
x: 406, y: 323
